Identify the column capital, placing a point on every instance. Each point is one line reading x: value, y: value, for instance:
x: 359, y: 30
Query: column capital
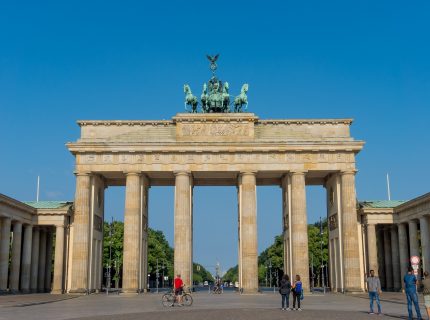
x: 132, y: 173
x: 248, y: 173
x: 82, y: 173
x: 298, y: 172
x: 348, y: 171
x: 182, y: 173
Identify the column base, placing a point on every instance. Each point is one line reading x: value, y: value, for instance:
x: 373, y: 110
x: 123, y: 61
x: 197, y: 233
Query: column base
x: 129, y: 291
x: 354, y: 290
x: 25, y: 291
x: 249, y: 291
x: 57, y: 291
x: 79, y: 291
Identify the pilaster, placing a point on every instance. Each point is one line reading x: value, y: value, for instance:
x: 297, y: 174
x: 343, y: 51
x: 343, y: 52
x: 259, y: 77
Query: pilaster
x: 388, y: 260
x: 403, y: 250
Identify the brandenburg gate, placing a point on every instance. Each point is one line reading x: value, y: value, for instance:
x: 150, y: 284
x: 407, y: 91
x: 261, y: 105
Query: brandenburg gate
x: 221, y: 147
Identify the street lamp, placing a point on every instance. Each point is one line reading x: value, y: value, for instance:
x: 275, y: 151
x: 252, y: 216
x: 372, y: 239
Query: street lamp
x: 270, y: 272
x: 322, y: 257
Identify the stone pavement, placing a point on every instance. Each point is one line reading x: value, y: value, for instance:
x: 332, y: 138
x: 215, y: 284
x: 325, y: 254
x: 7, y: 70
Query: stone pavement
x: 206, y: 306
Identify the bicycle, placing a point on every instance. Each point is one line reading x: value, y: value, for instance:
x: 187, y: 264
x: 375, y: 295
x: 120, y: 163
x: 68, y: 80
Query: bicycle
x: 217, y: 290
x: 169, y: 299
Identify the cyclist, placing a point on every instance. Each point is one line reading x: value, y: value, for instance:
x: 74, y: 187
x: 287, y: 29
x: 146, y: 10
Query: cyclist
x: 178, y: 286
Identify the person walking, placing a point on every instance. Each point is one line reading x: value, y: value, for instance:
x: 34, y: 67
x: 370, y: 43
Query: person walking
x: 374, y: 290
x: 297, y: 293
x: 426, y: 292
x: 284, y: 290
x: 411, y: 293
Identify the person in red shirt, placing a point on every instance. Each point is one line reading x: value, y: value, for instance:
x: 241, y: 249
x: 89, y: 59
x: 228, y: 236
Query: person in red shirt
x: 178, y: 285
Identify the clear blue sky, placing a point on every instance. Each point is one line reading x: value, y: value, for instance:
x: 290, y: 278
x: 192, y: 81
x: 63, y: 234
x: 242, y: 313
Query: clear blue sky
x: 63, y: 61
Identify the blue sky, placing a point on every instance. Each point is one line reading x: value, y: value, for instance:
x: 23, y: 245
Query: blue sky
x: 64, y: 61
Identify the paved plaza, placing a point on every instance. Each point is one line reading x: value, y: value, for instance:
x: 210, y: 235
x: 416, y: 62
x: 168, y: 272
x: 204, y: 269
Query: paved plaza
x: 206, y: 306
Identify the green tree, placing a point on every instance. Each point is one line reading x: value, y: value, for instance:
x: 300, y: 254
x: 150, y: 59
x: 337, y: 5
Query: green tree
x: 116, y: 230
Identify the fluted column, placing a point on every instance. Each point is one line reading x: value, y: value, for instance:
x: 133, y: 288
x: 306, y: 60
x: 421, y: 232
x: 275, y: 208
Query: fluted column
x: 381, y: 256
x: 81, y: 234
x: 132, y: 233
x: 4, y: 252
x: 351, y: 257
x: 183, y: 227
x: 34, y: 260
x: 26, y: 258
x: 48, y: 264
x: 395, y: 258
x: 372, y: 249
x: 42, y: 262
x: 248, y: 232
x: 413, y: 238
x: 388, y: 260
x: 425, y: 242
x: 403, y: 251
x: 16, y: 257
x: 299, y: 229
x: 144, y: 246
x: 57, y: 285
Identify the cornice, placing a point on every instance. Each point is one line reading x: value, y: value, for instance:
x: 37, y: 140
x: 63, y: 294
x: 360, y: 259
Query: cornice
x: 413, y: 203
x: 347, y: 121
x: 16, y: 204
x: 156, y: 123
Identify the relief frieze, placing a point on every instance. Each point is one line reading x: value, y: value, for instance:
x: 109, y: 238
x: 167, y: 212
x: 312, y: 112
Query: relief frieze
x: 215, y: 157
x: 215, y: 129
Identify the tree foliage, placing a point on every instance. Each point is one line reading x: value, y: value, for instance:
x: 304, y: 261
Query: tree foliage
x: 160, y: 254
x: 274, y: 254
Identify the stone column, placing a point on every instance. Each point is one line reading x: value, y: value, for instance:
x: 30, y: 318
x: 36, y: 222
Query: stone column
x: 388, y: 261
x: 16, y: 257
x: 403, y: 251
x: 248, y: 233
x: 130, y: 282
x: 81, y: 235
x: 413, y: 239
x: 299, y: 229
x: 183, y: 227
x: 372, y: 250
x: 395, y: 258
x: 381, y: 256
x: 42, y: 262
x: 26, y: 259
x: 34, y: 260
x: 57, y: 286
x: 4, y: 252
x: 48, y: 265
x: 351, y: 258
x: 425, y: 242
x: 144, y: 250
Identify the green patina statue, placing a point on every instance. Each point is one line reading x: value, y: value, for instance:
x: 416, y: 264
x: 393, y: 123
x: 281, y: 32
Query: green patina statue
x: 215, y: 97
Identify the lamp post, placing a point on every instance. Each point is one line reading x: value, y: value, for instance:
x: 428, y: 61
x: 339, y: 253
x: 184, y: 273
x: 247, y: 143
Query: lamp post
x: 265, y: 267
x: 270, y: 272
x: 157, y: 275
x: 322, y: 257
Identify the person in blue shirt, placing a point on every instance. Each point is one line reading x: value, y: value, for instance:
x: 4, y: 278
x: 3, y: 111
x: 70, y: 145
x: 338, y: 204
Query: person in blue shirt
x: 297, y: 293
x: 411, y: 293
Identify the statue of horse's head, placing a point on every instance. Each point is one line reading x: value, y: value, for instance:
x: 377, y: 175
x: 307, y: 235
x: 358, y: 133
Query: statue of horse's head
x: 245, y: 88
x: 187, y: 88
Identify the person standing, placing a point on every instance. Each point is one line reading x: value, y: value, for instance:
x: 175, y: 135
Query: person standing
x: 284, y: 290
x: 411, y: 293
x: 297, y: 293
x: 374, y: 290
x: 178, y: 286
x: 426, y: 292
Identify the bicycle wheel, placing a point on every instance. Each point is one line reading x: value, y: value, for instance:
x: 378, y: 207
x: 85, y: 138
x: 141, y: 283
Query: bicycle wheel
x: 168, y: 299
x: 187, y: 300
